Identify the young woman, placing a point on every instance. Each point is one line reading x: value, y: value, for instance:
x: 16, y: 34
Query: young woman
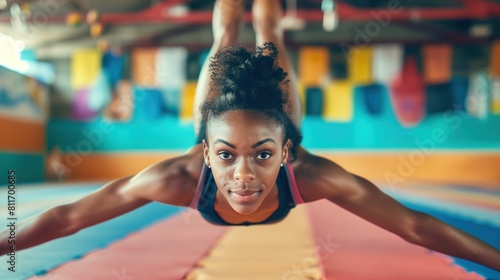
x: 248, y: 167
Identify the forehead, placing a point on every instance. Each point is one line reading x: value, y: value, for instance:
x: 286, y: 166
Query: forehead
x: 243, y: 126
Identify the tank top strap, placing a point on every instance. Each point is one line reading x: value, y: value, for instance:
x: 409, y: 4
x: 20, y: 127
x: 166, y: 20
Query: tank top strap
x: 199, y: 187
x: 293, y: 184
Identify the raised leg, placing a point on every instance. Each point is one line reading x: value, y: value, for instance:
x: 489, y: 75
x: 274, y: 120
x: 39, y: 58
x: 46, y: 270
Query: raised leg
x: 226, y: 24
x: 266, y: 17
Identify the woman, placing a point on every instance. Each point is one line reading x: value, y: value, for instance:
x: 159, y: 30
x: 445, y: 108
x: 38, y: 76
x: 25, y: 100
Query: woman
x: 248, y: 167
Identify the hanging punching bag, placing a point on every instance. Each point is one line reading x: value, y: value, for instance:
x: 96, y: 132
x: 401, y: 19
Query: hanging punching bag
x: 407, y: 95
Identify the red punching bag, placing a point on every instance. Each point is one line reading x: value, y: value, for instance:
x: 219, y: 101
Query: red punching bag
x: 408, y: 95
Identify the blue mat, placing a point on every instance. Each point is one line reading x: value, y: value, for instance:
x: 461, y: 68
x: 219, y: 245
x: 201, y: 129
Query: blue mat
x: 40, y: 259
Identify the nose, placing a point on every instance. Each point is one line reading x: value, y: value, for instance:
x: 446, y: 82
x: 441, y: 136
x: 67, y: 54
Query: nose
x: 244, y: 172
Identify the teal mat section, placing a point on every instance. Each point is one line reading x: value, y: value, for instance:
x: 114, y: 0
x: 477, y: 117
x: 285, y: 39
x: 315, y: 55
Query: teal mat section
x: 29, y: 167
x: 40, y: 259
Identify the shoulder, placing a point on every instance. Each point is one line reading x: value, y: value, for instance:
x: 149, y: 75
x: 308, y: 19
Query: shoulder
x: 319, y: 178
x: 172, y: 181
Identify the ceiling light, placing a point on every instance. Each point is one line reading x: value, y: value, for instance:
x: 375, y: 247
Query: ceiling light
x: 330, y: 16
x: 3, y: 4
x: 480, y: 30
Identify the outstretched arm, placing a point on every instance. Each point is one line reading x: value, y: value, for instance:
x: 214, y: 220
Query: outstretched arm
x: 106, y: 203
x: 112, y: 200
x: 364, y: 199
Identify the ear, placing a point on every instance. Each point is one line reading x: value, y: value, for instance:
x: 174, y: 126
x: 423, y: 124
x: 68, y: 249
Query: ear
x: 286, y: 151
x: 205, y: 153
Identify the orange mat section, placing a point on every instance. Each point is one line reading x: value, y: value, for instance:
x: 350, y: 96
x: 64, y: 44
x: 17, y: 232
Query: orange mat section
x: 398, y: 168
x: 166, y: 250
x: 353, y: 249
x: 22, y: 135
x: 284, y: 250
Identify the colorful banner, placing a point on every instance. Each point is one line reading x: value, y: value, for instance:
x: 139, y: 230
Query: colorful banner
x: 437, y: 63
x: 495, y: 59
x: 170, y: 69
x: 314, y: 64
x: 459, y: 87
x: 495, y: 96
x: 187, y: 100
x: 373, y: 99
x: 144, y: 67
x: 360, y: 65
x: 479, y: 95
x: 314, y: 101
x: 85, y: 67
x: 339, y: 100
x: 387, y: 62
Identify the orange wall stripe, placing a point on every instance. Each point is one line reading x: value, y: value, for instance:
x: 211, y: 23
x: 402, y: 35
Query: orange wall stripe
x: 396, y: 169
x: 22, y: 135
x: 387, y: 169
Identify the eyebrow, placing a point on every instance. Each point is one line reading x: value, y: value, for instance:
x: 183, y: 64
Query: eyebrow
x: 261, y: 142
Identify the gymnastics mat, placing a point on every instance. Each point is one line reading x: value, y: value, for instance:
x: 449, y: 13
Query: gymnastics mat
x: 280, y: 251
x: 39, y: 259
x: 353, y: 249
x: 166, y: 250
x: 318, y: 240
x: 481, y: 222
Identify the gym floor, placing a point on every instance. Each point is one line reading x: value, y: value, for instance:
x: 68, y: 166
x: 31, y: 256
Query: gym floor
x: 317, y: 241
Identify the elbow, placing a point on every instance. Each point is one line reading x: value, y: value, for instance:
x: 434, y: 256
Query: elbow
x: 65, y: 224
x: 415, y: 231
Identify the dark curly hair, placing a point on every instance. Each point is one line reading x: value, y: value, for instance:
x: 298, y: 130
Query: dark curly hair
x: 249, y: 81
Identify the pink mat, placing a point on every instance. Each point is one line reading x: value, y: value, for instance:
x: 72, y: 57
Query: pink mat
x: 351, y: 249
x: 167, y: 250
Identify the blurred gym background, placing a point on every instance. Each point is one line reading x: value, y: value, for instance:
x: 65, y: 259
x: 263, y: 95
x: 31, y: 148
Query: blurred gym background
x: 398, y: 91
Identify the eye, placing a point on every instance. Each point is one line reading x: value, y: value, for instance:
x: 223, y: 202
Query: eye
x: 264, y: 155
x: 225, y: 156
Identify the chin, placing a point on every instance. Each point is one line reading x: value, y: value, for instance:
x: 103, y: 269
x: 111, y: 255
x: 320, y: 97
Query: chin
x: 245, y: 209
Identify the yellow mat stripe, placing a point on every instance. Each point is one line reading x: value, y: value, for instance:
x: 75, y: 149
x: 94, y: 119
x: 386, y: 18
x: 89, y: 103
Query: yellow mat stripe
x: 285, y: 250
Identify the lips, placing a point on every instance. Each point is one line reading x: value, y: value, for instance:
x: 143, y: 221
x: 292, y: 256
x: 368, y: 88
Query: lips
x: 245, y: 196
x: 244, y: 193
